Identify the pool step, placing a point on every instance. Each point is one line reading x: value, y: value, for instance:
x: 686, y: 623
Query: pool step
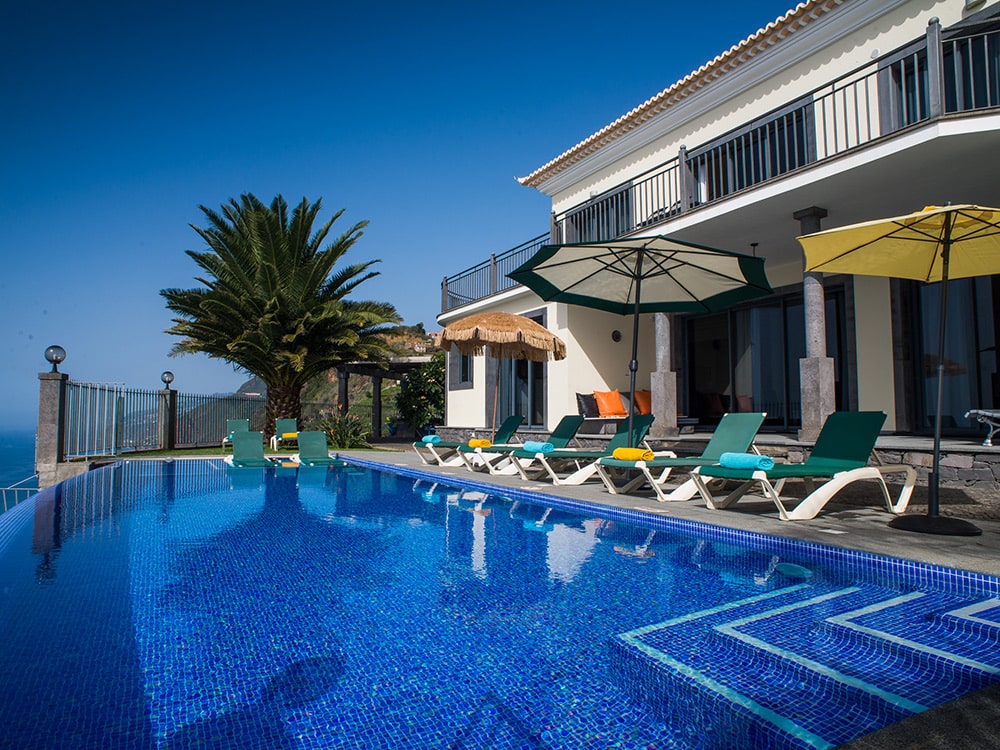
x: 979, y: 620
x: 873, y: 651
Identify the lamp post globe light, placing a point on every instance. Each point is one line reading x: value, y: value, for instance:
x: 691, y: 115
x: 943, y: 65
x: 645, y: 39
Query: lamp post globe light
x: 55, y: 355
x: 167, y: 377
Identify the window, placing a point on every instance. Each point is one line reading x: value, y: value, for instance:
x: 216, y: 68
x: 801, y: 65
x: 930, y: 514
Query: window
x: 972, y: 72
x: 762, y: 150
x: 970, y: 379
x: 459, y: 371
x: 604, y: 218
x: 521, y: 388
x: 747, y: 359
x: 904, y: 79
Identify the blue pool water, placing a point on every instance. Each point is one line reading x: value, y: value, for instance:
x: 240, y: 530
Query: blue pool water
x: 187, y: 605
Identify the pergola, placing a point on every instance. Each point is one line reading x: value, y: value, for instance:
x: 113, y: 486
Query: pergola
x: 398, y: 368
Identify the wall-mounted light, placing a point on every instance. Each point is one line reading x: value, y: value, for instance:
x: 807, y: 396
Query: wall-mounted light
x: 616, y: 336
x: 167, y: 377
x: 55, y: 355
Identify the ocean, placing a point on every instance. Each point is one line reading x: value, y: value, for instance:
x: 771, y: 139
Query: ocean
x: 17, y: 455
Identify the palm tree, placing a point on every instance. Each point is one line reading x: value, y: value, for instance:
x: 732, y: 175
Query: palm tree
x: 273, y: 302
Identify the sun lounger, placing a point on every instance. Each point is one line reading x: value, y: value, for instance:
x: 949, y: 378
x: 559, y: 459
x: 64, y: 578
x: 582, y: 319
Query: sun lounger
x: 734, y: 434
x: 839, y: 458
x: 445, y: 453
x: 497, y: 459
x: 285, y: 431
x: 248, y: 450
x: 576, y: 466
x: 232, y: 427
x: 314, y: 451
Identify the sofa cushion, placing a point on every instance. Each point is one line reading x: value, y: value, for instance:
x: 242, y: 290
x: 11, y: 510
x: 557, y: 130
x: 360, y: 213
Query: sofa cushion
x: 609, y: 404
x: 586, y: 405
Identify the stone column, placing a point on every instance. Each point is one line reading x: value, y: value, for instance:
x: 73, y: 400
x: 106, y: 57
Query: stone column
x: 50, y: 446
x: 817, y: 387
x: 663, y: 380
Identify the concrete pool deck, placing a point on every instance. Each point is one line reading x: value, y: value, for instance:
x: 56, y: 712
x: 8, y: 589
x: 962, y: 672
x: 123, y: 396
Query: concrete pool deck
x: 857, y: 521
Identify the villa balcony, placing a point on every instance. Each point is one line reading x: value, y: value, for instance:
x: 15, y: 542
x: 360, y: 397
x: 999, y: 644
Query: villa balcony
x: 939, y: 78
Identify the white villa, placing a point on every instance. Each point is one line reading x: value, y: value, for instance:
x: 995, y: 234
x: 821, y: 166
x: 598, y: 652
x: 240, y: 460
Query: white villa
x: 837, y: 112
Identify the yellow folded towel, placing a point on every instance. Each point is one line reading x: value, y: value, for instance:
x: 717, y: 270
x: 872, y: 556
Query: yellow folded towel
x: 633, y: 454
x: 479, y: 443
x: 289, y: 435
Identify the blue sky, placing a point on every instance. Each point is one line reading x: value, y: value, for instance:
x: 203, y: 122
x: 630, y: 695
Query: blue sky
x: 120, y: 119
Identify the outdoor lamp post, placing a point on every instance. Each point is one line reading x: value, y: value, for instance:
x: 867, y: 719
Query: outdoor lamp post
x: 55, y: 355
x: 167, y: 418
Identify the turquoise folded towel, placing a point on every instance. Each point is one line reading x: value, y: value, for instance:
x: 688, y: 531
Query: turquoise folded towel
x: 431, y: 439
x: 536, y: 446
x: 746, y: 461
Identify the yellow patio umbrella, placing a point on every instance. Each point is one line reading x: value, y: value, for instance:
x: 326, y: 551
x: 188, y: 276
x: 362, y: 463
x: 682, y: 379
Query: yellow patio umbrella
x: 507, y: 335
x: 932, y: 245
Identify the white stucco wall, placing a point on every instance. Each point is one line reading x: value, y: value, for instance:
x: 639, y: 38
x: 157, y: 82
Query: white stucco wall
x: 467, y: 407
x: 832, y: 46
x: 594, y: 361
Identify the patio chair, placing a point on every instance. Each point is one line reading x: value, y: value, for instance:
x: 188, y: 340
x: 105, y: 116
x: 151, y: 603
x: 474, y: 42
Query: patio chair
x: 839, y: 458
x: 497, y: 459
x: 445, y: 452
x: 233, y: 426
x: 734, y: 434
x: 314, y: 451
x: 988, y: 417
x: 575, y: 466
x: 248, y: 450
x: 285, y: 431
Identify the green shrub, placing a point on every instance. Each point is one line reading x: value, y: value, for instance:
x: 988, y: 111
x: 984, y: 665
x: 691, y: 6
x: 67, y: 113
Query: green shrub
x: 421, y: 402
x: 344, y: 432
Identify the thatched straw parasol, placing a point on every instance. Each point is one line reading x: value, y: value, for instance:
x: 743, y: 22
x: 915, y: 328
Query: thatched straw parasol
x: 508, y: 336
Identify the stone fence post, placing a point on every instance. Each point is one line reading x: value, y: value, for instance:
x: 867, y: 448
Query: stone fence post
x: 167, y: 419
x: 50, y: 445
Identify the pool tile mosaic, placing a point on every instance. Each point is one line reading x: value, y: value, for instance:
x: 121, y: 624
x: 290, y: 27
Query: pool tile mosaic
x: 183, y: 605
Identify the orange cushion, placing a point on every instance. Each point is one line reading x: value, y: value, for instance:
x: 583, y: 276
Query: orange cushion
x: 644, y: 402
x: 609, y: 403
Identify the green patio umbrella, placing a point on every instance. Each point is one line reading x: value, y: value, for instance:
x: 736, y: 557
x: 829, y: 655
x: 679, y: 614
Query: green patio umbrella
x: 639, y: 275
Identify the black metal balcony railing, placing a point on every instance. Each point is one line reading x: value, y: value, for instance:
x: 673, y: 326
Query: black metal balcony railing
x: 487, y: 278
x: 911, y: 85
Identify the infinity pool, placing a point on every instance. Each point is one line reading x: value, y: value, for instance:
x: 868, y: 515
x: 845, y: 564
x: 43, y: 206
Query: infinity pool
x: 190, y: 605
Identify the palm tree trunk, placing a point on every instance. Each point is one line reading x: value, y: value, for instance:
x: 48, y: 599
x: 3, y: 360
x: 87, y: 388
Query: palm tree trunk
x: 283, y: 402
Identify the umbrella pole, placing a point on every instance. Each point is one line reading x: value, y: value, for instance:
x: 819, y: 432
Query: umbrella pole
x: 933, y: 522
x: 496, y: 399
x: 633, y: 364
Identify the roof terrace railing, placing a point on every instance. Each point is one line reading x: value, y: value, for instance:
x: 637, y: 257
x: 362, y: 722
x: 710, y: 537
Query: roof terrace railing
x: 913, y: 84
